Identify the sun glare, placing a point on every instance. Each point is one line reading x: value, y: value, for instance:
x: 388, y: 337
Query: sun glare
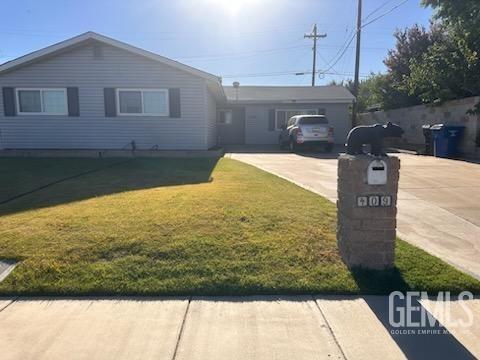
x: 233, y: 7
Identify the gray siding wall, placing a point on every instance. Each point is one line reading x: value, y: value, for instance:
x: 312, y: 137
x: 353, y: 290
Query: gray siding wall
x: 257, y: 121
x: 211, y: 120
x: 92, y: 130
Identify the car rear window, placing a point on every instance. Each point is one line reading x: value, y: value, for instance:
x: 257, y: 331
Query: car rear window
x: 314, y: 120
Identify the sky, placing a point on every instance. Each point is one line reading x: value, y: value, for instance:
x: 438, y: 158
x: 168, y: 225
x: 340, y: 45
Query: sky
x: 255, y: 42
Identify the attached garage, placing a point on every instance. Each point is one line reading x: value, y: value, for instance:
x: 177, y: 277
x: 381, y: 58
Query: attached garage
x: 263, y: 110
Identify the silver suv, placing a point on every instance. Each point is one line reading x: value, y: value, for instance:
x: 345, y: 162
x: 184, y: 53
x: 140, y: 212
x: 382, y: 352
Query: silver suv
x: 307, y: 131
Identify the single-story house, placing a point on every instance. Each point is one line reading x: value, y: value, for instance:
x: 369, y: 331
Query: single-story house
x: 94, y: 92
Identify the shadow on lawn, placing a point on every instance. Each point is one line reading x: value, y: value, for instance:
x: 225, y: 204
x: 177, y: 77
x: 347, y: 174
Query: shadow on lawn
x: 376, y: 282
x: 102, y: 177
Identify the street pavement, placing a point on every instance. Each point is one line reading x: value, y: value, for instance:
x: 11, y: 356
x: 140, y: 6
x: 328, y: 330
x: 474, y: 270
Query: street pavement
x: 438, y: 199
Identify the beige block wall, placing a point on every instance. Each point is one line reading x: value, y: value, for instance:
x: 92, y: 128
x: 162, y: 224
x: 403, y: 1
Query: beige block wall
x: 412, y: 118
x: 366, y: 235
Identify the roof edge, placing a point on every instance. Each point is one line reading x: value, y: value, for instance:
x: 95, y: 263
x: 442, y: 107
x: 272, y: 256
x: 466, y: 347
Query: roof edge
x: 286, y: 97
x: 90, y: 35
x: 292, y: 102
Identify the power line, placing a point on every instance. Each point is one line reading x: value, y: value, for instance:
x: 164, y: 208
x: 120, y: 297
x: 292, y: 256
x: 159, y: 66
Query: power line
x: 325, y: 61
x: 341, y: 54
x: 345, y: 45
x: 285, y: 72
x: 385, y: 13
x: 246, y: 54
x: 288, y: 73
x: 342, y: 64
x: 297, y: 61
x: 271, y: 51
x: 251, y: 52
x: 354, y: 33
x: 377, y: 9
x: 154, y: 35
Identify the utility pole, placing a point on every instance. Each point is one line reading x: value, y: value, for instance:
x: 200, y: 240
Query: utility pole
x: 313, y: 35
x: 357, y: 64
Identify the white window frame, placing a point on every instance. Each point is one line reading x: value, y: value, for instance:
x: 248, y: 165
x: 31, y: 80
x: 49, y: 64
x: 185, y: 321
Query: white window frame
x: 17, y: 97
x: 286, y: 119
x: 167, y: 107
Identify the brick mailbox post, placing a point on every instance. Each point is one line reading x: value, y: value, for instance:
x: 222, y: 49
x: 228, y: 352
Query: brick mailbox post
x: 367, y: 209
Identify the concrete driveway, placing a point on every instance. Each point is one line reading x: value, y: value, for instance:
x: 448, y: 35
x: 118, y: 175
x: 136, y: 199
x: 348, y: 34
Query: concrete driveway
x: 438, y: 202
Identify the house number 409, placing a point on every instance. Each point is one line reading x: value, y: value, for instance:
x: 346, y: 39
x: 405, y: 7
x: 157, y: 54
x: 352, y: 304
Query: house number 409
x: 374, y: 201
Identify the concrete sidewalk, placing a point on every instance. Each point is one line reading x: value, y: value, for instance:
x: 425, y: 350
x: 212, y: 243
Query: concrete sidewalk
x: 260, y: 327
x: 438, y: 200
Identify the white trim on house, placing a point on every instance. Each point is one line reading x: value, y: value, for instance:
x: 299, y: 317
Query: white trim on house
x: 143, y: 113
x: 290, y: 102
x: 311, y: 111
x: 41, y: 90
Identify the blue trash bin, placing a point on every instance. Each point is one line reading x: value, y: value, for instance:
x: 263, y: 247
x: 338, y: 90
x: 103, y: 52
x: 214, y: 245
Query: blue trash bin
x: 446, y: 139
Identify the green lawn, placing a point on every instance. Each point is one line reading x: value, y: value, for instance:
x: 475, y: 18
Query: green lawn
x: 183, y: 226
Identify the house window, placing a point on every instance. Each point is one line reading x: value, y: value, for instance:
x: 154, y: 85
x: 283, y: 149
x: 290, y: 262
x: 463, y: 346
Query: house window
x: 42, y: 101
x: 225, y: 117
x: 282, y: 116
x: 151, y: 102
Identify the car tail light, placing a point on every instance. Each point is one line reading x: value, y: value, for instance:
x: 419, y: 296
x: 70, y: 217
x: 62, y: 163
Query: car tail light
x: 330, y: 134
x: 299, y: 136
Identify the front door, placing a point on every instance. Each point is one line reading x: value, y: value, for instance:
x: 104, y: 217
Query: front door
x: 231, y: 126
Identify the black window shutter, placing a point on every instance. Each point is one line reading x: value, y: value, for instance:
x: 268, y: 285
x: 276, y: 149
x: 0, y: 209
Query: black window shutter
x: 174, y: 103
x: 8, y: 101
x: 271, y: 120
x: 72, y: 100
x: 109, y: 100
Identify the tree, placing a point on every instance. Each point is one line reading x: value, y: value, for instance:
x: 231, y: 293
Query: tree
x: 438, y: 64
x: 450, y: 68
x: 391, y: 90
x: 370, y: 93
x: 443, y: 73
x: 373, y: 92
x: 462, y: 13
x: 410, y: 46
